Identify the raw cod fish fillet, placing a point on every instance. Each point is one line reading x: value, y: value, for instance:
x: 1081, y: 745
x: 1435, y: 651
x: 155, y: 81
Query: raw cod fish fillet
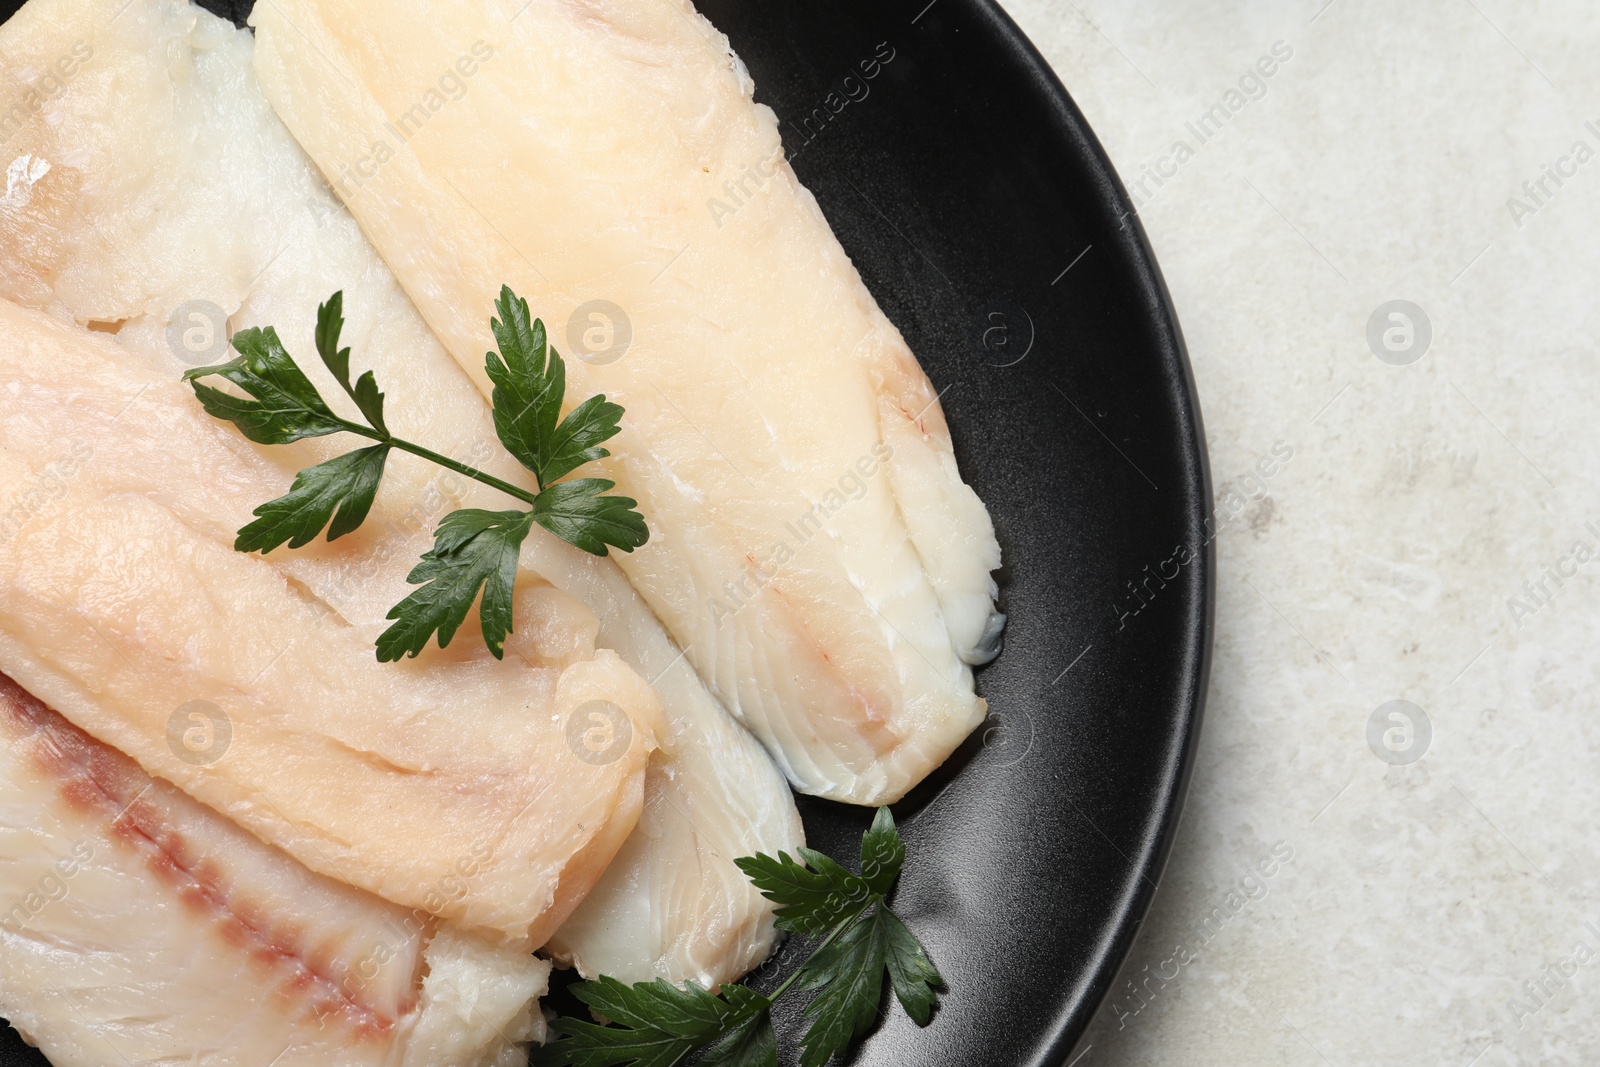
x: 140, y: 626
x: 814, y: 550
x: 142, y: 927
x: 249, y: 226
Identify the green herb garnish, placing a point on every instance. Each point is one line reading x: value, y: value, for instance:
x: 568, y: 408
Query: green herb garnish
x: 656, y: 1024
x: 473, y: 550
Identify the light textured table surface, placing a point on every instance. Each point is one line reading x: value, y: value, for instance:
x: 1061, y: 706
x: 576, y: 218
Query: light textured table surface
x: 1444, y: 910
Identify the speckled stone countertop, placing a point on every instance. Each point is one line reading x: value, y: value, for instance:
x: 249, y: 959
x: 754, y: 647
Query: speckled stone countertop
x: 1381, y: 225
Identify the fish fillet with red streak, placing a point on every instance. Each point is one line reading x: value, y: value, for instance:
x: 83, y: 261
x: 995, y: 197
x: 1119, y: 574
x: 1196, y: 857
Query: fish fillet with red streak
x: 139, y: 926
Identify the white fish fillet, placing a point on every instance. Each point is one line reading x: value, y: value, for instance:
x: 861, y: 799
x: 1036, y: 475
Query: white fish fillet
x: 267, y: 242
x: 121, y: 614
x: 139, y: 926
x: 814, y: 550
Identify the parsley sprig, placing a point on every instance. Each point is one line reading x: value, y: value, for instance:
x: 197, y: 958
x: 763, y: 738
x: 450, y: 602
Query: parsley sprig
x: 474, y: 550
x: 656, y: 1024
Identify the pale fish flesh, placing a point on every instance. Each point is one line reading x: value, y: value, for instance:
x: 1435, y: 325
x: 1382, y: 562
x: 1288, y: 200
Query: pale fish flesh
x: 266, y: 242
x: 138, y: 926
x: 814, y: 550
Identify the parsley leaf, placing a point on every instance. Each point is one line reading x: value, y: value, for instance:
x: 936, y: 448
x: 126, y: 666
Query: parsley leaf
x: 915, y: 979
x: 530, y: 381
x: 753, y: 1043
x: 867, y: 940
x: 883, y: 854
x: 330, y: 323
x: 527, y: 387
x: 576, y: 512
x: 472, y: 550
x: 814, y: 898
x: 347, y: 485
x: 286, y: 408
x: 577, y: 439
x: 849, y: 974
x: 657, y: 1024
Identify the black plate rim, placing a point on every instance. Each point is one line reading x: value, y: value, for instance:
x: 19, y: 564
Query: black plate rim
x: 1077, y: 1013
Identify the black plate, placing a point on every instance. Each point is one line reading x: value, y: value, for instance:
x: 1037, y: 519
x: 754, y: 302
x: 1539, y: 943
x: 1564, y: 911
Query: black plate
x: 965, y: 184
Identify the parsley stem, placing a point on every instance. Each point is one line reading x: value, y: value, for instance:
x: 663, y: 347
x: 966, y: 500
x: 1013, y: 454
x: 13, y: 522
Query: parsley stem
x: 445, y: 461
